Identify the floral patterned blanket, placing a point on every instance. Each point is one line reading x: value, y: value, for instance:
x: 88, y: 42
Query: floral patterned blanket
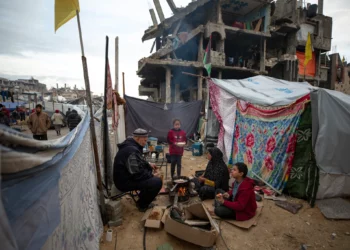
x: 265, y: 139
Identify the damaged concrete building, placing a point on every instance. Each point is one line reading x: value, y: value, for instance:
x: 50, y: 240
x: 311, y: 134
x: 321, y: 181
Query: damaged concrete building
x: 248, y: 37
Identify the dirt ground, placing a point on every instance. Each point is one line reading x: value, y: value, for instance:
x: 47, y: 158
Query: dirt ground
x: 51, y: 133
x: 276, y: 229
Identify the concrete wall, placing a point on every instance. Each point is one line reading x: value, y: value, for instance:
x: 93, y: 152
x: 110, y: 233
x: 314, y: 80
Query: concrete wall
x: 218, y: 58
x: 345, y: 85
x: 284, y: 8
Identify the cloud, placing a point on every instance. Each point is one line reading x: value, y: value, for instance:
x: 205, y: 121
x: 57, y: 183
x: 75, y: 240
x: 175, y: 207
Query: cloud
x: 30, y: 47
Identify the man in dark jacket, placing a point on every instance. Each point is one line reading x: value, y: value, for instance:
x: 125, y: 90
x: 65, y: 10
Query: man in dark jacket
x: 132, y: 172
x: 73, y: 120
x: 68, y: 112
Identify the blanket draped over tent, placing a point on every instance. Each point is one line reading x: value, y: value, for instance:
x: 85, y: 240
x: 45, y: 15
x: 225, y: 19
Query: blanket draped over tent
x: 303, y: 178
x: 224, y: 107
x: 265, y: 139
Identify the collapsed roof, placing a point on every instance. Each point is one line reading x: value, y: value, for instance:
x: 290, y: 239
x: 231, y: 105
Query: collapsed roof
x: 228, y: 7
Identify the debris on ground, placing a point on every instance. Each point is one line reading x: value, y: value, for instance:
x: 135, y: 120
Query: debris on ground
x: 303, y: 247
x: 165, y: 246
x: 291, y: 207
x: 334, y: 235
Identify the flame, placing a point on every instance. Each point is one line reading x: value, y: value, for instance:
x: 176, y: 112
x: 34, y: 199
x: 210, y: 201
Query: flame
x: 182, y: 191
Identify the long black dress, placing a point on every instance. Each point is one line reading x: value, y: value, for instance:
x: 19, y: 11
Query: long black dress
x: 217, y: 172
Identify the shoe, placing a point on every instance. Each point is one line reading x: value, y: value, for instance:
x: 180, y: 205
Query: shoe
x: 144, y: 209
x: 258, y: 197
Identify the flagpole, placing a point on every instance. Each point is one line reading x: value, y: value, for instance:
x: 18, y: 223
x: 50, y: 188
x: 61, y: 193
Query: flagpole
x: 92, y: 123
x: 80, y: 37
x: 105, y: 120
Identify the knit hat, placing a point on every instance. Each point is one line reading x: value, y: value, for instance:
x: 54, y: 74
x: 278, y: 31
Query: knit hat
x: 140, y: 132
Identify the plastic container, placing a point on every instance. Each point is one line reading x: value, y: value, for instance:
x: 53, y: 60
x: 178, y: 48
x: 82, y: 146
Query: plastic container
x: 197, y: 149
x: 145, y: 149
x: 153, y: 141
x: 159, y: 148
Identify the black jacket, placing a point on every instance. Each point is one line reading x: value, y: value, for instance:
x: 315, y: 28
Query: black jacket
x: 129, y: 165
x: 73, y: 119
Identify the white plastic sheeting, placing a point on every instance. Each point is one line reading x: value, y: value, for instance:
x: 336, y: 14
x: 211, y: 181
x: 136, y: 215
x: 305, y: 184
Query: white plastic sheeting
x: 265, y: 91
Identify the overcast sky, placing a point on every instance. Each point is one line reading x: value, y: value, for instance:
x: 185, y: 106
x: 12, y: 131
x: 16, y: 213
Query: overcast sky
x: 30, y: 47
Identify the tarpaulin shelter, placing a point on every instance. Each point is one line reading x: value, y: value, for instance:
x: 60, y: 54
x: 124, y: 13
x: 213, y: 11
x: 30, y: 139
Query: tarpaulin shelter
x: 270, y: 125
x: 48, y: 191
x: 331, y: 141
x: 11, y: 106
x: 157, y: 118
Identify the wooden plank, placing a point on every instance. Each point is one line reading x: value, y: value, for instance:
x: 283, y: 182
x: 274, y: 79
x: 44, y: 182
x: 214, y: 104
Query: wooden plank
x: 164, y: 51
x: 177, y: 28
x: 258, y: 25
x: 154, y: 43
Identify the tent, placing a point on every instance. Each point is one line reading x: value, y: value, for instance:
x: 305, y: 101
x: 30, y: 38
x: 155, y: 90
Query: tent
x: 48, y: 191
x: 157, y: 117
x: 331, y: 141
x: 272, y: 126
x: 11, y: 106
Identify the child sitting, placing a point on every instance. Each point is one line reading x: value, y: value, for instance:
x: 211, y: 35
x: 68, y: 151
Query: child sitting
x: 239, y: 203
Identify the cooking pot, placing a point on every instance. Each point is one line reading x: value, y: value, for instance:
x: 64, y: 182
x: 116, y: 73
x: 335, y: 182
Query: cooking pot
x: 181, y: 184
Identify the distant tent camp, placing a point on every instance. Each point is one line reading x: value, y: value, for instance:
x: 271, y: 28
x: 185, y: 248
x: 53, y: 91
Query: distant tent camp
x: 11, y: 106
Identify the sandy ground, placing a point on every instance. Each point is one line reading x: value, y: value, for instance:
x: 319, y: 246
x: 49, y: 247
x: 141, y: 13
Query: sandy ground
x: 276, y: 229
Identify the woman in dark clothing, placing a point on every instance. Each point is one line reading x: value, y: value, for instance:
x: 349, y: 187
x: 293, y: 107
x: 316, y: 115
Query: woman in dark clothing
x: 216, y: 176
x: 4, y: 119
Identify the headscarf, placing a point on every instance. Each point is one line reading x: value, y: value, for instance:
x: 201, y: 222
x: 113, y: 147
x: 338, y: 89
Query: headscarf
x: 57, y: 111
x: 217, y: 170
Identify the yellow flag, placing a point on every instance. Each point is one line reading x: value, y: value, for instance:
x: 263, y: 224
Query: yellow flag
x: 65, y: 10
x: 308, y: 50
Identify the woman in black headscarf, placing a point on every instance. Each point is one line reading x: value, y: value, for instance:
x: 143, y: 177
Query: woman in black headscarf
x: 216, y: 176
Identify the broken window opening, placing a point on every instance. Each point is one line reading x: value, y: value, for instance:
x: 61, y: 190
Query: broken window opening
x: 242, y: 51
x: 188, y: 51
x: 186, y: 83
x: 247, y: 22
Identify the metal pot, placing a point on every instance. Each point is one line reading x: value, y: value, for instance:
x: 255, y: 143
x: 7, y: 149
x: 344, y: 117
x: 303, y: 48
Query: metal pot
x: 181, y: 184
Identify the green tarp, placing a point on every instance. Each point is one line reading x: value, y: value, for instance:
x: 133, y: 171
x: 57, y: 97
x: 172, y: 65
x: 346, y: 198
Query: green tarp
x: 304, y: 176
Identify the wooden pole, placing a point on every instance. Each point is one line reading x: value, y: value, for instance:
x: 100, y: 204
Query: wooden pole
x: 200, y: 85
x: 123, y: 84
x: 207, y: 106
x: 154, y: 43
x: 117, y: 64
x: 116, y: 89
x: 92, y: 124
x: 124, y: 106
x: 105, y: 119
x: 194, y: 75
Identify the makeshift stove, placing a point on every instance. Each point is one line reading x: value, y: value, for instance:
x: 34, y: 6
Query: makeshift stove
x: 180, y: 189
